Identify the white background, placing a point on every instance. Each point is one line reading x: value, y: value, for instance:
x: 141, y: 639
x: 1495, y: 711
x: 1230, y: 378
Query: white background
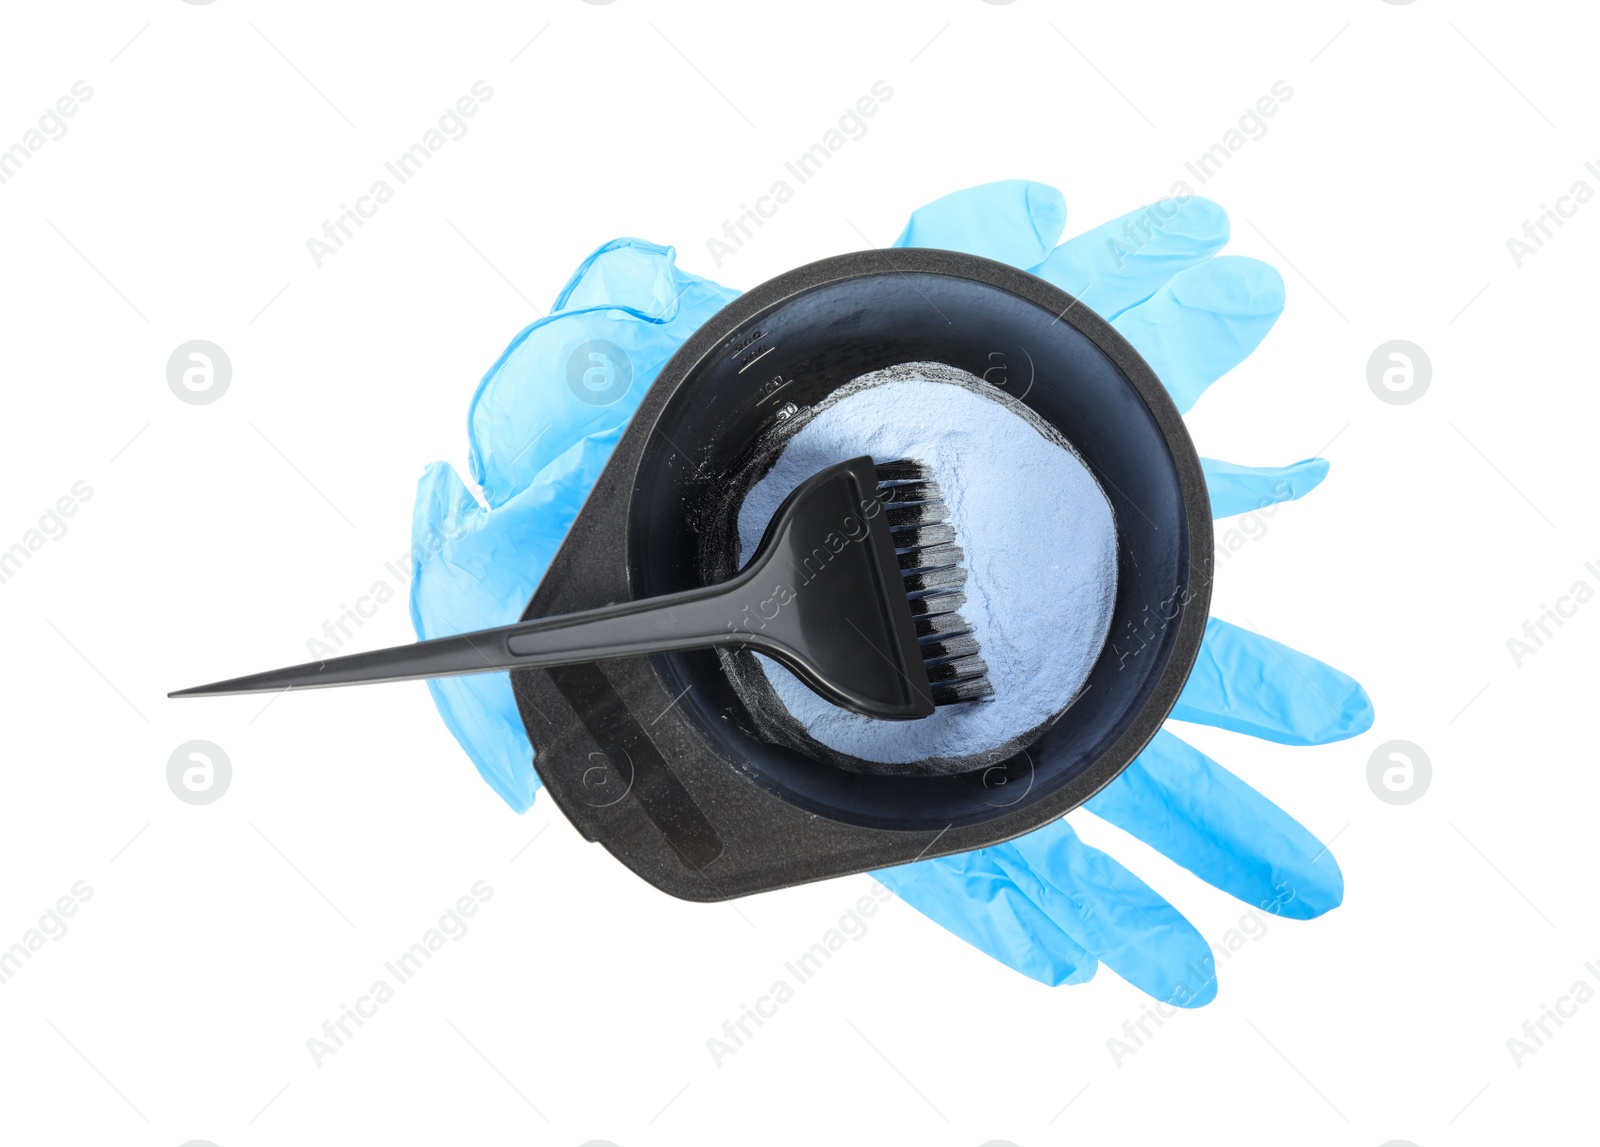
x: 218, y: 538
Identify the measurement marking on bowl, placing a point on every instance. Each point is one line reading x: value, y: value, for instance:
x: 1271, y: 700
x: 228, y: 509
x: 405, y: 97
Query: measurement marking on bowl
x: 772, y: 390
x: 763, y: 353
x: 740, y: 345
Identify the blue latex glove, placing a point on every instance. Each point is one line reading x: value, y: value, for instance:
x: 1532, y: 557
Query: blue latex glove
x: 1047, y: 904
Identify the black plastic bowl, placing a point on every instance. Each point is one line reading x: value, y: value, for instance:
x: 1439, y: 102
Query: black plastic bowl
x: 732, y: 811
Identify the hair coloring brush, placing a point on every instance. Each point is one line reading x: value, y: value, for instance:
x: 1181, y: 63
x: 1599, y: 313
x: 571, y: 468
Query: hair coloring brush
x: 855, y: 588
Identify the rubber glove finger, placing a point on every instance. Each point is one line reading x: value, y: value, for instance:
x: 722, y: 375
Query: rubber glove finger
x: 1112, y: 914
x: 1192, y: 810
x: 582, y: 370
x: 971, y: 896
x: 1239, y: 489
x: 1122, y: 263
x: 475, y: 568
x: 1204, y: 323
x: 1015, y: 221
x: 481, y: 713
x: 628, y: 274
x: 1252, y: 684
x: 448, y: 597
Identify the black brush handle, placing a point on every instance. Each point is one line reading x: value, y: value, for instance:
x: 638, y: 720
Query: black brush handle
x: 694, y: 619
x: 823, y: 595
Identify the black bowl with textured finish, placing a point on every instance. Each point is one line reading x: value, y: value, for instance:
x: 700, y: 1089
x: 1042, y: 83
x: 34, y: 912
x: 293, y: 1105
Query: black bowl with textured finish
x: 658, y: 759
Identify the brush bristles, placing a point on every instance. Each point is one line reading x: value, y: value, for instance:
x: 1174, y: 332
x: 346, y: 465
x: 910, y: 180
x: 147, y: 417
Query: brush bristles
x: 945, y: 625
x: 931, y: 568
x: 944, y: 603
x: 903, y: 470
x: 938, y: 534
x: 958, y: 692
x: 961, y: 669
x: 902, y: 515
x: 929, y: 557
x: 949, y: 648
x: 920, y: 583
x: 922, y: 490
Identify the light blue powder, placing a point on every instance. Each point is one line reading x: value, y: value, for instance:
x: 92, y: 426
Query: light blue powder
x: 1040, y: 542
